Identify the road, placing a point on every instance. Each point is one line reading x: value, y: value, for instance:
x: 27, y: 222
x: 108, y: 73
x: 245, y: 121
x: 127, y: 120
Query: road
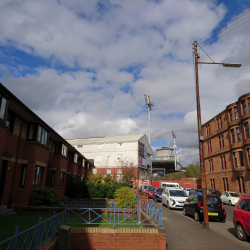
x: 183, y: 232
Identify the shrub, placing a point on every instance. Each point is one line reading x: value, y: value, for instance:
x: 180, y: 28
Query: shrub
x: 124, y: 195
x: 76, y: 188
x: 45, y: 196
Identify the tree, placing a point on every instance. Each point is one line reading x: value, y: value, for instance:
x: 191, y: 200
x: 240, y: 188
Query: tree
x: 128, y: 168
x: 193, y: 170
x: 108, y: 179
x: 95, y: 178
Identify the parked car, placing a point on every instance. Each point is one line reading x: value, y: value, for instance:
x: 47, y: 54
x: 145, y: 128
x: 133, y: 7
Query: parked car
x: 150, y: 191
x: 187, y: 190
x: 195, y: 191
x: 174, y: 198
x: 230, y: 198
x: 214, y: 192
x: 241, y: 218
x: 194, y: 207
x: 157, y: 194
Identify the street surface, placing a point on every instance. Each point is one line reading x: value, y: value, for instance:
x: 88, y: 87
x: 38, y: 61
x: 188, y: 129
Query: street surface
x: 183, y: 232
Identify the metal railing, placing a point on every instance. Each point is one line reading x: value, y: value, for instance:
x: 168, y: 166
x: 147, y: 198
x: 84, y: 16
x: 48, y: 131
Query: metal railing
x: 33, y: 237
x: 131, y: 214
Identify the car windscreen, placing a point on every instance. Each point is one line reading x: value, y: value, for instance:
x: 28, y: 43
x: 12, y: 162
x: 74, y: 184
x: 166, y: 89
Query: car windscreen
x: 179, y: 193
x: 235, y: 195
x: 151, y: 189
x: 159, y: 190
x: 213, y: 200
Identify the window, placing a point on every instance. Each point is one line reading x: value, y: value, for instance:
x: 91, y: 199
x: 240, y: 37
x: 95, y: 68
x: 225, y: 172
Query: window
x: 247, y: 134
x: 248, y: 100
x: 119, y: 157
x: 225, y: 163
x: 218, y: 122
x: 108, y: 172
x: 64, y: 150
x: 241, y: 185
x: 206, y: 131
x: 230, y: 115
x: 225, y: 184
x: 99, y: 146
x: 79, y: 146
x: 233, y: 135
x: 211, y: 165
x: 3, y: 107
x: 120, y: 145
x: 244, y: 107
x: 80, y: 162
x: 38, y: 133
x: 238, y: 134
x: 61, y: 182
x: 221, y: 141
x: 119, y: 172
x: 53, y: 178
x: 236, y: 113
x: 212, y: 182
x: 23, y: 175
x: 222, y: 162
x: 38, y: 177
x: 236, y: 164
x: 94, y: 171
x: 209, y: 147
x: 208, y: 127
x: 99, y: 158
x: 61, y: 149
x: 241, y: 158
x: 10, y: 121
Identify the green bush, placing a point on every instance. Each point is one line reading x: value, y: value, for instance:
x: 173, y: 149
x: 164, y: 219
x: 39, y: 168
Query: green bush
x: 76, y: 188
x: 45, y: 196
x: 124, y: 195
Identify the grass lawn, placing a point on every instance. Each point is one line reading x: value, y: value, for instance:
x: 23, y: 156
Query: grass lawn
x: 26, y: 219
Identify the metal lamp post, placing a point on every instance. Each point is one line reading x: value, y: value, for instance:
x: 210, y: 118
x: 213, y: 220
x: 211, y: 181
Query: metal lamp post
x: 175, y: 167
x: 200, y: 136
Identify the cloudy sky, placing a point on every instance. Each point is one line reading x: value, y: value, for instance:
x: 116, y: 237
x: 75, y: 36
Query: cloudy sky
x: 84, y: 65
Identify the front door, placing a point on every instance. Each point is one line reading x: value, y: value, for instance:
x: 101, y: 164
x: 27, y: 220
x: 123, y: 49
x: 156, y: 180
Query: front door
x: 2, y: 177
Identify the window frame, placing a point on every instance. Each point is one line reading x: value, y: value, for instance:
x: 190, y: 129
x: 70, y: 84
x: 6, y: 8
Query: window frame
x: 233, y: 135
x: 230, y: 111
x: 246, y: 128
x: 23, y: 175
x: 238, y: 134
x: 244, y: 107
x: 236, y: 115
x: 38, y: 178
x: 3, y: 111
x: 61, y: 180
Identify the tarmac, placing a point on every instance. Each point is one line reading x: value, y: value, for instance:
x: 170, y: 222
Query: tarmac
x: 184, y: 234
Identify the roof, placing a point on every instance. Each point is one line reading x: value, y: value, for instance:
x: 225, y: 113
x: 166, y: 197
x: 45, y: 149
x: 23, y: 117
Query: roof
x: 164, y: 148
x: 105, y: 139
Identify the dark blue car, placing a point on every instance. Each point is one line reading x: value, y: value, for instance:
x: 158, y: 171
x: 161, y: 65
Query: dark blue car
x: 157, y: 194
x: 195, y: 191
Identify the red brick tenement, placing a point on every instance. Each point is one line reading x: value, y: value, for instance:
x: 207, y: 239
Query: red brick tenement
x: 118, y: 238
x: 32, y: 154
x: 227, y: 148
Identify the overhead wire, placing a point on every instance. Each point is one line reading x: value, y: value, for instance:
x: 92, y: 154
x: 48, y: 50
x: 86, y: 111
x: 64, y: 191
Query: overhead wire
x: 227, y: 25
x: 219, y: 36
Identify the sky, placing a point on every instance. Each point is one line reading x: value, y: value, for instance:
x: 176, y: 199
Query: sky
x: 84, y: 66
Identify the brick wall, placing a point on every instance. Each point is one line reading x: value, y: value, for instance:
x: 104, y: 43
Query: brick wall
x: 118, y: 238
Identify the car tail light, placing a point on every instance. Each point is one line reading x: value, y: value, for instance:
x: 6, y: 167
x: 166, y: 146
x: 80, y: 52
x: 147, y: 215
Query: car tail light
x: 199, y: 204
x: 223, y: 207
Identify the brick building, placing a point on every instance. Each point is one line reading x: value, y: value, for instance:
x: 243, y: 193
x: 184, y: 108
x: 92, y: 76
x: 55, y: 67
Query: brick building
x: 32, y: 153
x: 227, y: 148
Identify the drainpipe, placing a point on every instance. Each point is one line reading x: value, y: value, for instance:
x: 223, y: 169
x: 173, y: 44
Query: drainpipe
x: 15, y: 167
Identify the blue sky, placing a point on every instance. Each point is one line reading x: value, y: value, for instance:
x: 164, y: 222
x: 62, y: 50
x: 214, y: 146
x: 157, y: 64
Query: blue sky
x: 84, y: 66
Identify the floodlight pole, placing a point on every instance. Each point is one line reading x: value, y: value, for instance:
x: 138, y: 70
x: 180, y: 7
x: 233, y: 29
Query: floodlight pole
x: 175, y: 165
x: 200, y: 136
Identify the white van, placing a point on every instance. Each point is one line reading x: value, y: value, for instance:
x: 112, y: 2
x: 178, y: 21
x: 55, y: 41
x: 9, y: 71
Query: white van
x: 171, y: 185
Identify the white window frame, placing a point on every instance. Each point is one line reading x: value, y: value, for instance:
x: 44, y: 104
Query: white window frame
x: 119, y: 157
x: 119, y: 172
x: 120, y: 144
x: 75, y: 158
x: 64, y: 150
x: 109, y: 172
x: 99, y: 158
x: 94, y: 171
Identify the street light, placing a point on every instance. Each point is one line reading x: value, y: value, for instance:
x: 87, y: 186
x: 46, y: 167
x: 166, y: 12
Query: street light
x: 175, y: 167
x: 107, y: 166
x: 200, y: 136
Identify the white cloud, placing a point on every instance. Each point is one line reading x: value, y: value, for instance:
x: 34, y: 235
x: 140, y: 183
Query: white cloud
x: 102, y: 57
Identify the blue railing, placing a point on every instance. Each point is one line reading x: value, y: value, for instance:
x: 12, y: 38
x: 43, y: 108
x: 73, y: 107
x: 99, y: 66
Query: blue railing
x: 89, y: 203
x: 33, y: 237
x: 131, y: 213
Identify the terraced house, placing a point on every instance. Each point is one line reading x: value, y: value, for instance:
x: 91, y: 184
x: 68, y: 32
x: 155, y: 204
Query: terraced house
x: 32, y: 153
x: 227, y: 148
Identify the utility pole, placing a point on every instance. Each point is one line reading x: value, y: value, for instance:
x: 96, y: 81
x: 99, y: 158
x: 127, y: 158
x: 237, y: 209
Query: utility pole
x: 200, y: 138
x: 175, y: 166
x: 149, y: 103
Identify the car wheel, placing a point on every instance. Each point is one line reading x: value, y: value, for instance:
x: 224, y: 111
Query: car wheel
x: 240, y: 232
x: 223, y: 220
x: 184, y: 211
x: 196, y: 216
x: 230, y: 203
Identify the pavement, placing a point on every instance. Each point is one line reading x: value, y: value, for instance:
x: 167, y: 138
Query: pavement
x: 183, y: 233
